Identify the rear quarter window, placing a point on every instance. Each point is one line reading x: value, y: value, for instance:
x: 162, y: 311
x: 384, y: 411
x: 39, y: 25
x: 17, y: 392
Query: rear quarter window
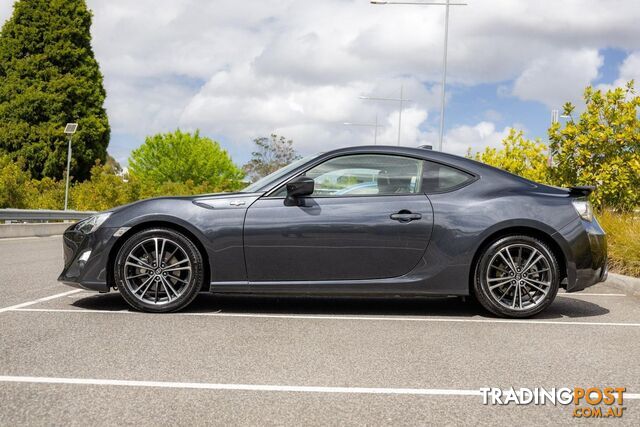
x: 439, y: 178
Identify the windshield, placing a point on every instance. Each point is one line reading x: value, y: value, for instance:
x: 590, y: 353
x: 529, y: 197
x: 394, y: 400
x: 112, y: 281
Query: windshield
x: 274, y: 176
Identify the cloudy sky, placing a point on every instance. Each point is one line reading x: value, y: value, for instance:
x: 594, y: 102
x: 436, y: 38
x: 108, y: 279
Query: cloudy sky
x: 237, y: 70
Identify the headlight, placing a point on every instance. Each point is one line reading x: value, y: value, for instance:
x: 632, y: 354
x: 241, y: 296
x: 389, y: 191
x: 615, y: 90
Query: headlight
x: 91, y: 224
x: 583, y: 207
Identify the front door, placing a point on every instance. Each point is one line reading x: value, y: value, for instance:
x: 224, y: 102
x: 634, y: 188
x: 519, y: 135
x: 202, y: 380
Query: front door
x: 366, y: 219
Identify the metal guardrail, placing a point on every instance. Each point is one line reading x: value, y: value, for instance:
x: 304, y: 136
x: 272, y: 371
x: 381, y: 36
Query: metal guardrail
x: 41, y: 215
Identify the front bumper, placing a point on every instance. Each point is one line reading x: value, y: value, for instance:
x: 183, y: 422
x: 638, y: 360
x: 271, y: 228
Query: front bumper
x: 586, y: 250
x: 86, y: 258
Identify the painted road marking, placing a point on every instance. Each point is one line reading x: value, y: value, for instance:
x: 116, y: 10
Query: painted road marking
x: 49, y: 298
x: 590, y: 295
x: 253, y: 387
x: 324, y: 317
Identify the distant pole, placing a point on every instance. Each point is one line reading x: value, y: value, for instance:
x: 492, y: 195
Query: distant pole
x: 444, y: 75
x: 401, y: 100
x: 373, y: 125
x: 446, y: 4
x: 400, y: 115
x: 554, y: 120
x: 70, y: 129
x: 375, y: 132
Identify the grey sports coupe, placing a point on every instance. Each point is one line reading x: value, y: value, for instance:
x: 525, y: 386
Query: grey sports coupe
x: 368, y: 221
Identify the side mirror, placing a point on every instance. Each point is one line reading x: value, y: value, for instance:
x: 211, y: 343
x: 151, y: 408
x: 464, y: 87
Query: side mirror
x: 298, y: 187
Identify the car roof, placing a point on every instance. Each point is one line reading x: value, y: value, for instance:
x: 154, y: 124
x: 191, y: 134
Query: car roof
x: 423, y: 153
x: 473, y: 166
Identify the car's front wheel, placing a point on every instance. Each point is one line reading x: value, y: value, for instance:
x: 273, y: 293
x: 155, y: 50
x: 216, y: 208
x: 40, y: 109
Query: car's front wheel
x: 516, y: 276
x: 158, y: 270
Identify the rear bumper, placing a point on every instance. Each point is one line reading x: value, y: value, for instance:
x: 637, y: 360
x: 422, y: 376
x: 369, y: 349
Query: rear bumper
x: 85, y: 258
x: 586, y: 250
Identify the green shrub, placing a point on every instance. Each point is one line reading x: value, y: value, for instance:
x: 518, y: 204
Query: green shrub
x: 519, y: 156
x: 623, y: 241
x: 16, y: 187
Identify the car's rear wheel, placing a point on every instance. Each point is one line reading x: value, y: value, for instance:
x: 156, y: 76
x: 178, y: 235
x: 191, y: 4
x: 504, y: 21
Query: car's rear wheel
x: 158, y: 270
x: 516, y: 276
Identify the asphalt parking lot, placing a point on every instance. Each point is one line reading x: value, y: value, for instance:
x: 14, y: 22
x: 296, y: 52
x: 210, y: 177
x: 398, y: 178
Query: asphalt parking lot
x: 74, y: 357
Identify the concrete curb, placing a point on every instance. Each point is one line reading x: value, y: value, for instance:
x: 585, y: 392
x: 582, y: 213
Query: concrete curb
x: 32, y: 230
x: 629, y: 285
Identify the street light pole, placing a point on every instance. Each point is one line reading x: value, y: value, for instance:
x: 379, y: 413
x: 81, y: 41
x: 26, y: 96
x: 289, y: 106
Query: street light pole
x: 446, y: 4
x: 375, y: 126
x: 401, y: 100
x: 70, y: 129
x: 444, y: 75
x: 400, y: 115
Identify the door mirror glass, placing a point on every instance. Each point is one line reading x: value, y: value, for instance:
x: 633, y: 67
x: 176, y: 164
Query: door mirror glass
x: 299, y: 187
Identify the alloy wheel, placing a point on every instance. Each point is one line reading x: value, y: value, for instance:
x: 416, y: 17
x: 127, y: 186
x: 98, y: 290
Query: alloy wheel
x: 157, y: 271
x: 519, y: 277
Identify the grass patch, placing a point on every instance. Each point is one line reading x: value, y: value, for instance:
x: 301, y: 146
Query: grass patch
x: 623, y: 241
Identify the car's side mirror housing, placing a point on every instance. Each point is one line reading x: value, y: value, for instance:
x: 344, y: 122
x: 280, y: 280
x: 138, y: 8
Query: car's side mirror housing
x: 298, y: 187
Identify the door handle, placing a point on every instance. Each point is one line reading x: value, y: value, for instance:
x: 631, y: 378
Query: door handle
x: 405, y: 216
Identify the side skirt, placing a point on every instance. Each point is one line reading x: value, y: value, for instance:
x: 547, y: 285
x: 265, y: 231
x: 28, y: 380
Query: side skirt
x: 381, y: 287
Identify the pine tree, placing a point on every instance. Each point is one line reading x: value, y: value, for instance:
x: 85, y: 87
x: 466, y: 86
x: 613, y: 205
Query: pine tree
x: 48, y: 77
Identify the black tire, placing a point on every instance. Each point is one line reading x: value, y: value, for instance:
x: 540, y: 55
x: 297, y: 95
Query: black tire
x: 183, y: 292
x: 488, y: 264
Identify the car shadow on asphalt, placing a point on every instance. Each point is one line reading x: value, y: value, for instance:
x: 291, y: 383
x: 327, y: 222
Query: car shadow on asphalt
x: 341, y: 306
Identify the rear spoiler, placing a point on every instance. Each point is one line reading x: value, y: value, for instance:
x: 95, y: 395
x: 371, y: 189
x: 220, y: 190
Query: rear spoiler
x: 581, y: 190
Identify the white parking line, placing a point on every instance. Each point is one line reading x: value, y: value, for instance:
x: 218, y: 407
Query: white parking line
x: 254, y: 387
x: 324, y: 317
x: 49, y: 298
x: 590, y: 295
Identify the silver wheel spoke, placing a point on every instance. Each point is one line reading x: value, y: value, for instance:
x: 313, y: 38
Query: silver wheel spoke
x: 492, y: 287
x: 157, y: 285
x: 499, y: 269
x: 513, y: 263
x: 538, y: 282
x: 146, y: 289
x: 511, y: 266
x: 166, y: 282
x: 515, y: 291
x: 166, y: 291
x: 155, y: 242
x: 137, y: 275
x: 177, y: 269
x: 505, y: 292
x: 141, y: 263
x: 535, y: 287
x: 526, y: 264
x: 161, y: 252
x: 524, y: 270
x: 176, y: 278
x: 175, y: 264
x: 143, y: 283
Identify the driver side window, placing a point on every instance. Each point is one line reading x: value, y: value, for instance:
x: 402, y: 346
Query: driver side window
x: 365, y: 174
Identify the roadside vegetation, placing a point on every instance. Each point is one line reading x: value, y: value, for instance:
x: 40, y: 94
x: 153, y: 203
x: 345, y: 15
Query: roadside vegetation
x: 171, y: 164
x: 623, y: 241
x: 601, y: 147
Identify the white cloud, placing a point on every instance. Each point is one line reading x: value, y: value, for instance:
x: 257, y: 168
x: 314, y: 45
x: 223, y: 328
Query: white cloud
x: 629, y: 70
x: 558, y: 78
x: 484, y: 134
x: 243, y: 69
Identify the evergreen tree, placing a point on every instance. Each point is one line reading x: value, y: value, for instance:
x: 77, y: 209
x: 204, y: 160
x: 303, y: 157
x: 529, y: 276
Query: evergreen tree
x: 48, y: 77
